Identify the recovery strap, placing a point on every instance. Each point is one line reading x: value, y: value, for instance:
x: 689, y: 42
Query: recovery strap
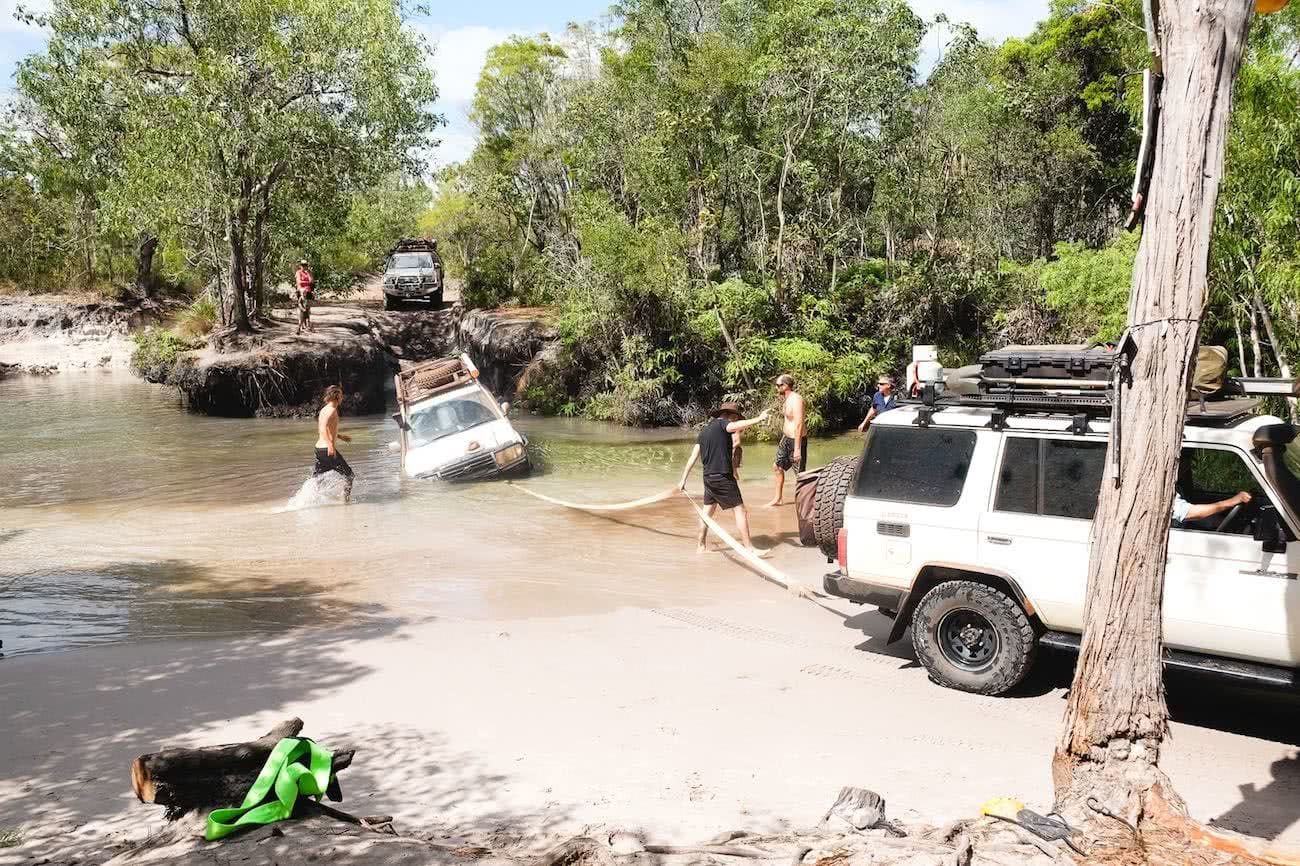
x: 764, y: 568
x: 295, y: 766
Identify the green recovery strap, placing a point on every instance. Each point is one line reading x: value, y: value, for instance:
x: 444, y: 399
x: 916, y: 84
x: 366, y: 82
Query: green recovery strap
x: 295, y: 766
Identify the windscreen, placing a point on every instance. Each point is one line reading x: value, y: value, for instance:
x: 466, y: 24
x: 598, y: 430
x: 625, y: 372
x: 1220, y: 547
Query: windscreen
x: 445, y: 417
x: 411, y: 261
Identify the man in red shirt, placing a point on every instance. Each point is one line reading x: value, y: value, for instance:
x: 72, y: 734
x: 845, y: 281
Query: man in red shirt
x: 305, y: 285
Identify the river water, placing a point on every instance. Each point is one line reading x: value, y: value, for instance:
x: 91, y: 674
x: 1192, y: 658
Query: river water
x: 124, y: 518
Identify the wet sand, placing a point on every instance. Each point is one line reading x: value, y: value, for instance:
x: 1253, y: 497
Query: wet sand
x: 511, y: 672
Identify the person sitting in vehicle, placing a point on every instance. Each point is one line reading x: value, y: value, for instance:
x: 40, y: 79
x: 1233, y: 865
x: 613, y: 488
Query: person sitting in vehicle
x: 1184, y: 511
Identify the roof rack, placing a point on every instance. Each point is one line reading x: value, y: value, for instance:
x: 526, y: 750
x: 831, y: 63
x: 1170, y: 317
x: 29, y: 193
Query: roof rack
x: 434, y: 377
x: 1077, y: 381
x: 1221, y: 412
x: 416, y: 245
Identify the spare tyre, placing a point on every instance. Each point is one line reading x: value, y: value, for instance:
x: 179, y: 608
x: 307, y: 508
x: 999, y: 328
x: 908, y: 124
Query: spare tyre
x: 828, y: 511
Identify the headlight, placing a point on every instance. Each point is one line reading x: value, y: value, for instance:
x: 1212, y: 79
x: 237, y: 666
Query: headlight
x: 509, y: 455
x: 389, y: 281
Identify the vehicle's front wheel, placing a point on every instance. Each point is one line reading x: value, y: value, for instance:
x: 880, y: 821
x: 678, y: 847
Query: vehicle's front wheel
x: 973, y: 637
x: 390, y: 303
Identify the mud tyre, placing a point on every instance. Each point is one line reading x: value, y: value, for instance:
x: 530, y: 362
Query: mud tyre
x: 391, y: 303
x: 828, y: 502
x: 973, y: 638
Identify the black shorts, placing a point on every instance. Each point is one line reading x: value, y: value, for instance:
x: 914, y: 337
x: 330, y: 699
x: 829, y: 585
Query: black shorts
x: 326, y: 463
x: 722, y: 491
x: 785, y: 454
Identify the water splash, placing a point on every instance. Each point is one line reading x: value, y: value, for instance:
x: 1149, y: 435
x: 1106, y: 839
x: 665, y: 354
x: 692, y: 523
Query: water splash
x: 328, y: 488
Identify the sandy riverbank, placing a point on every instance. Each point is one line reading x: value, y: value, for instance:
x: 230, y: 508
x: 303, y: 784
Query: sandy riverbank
x: 675, y: 721
x: 57, y: 332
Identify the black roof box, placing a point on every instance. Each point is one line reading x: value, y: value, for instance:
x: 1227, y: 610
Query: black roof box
x: 1046, y: 364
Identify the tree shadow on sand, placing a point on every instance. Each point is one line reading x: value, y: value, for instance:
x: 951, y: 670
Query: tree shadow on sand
x: 74, y: 721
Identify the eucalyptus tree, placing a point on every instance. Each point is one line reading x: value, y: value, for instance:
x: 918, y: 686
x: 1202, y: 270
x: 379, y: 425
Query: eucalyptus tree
x: 229, y: 108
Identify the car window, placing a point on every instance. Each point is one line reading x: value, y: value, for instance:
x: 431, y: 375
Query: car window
x: 1052, y: 477
x: 1072, y: 472
x: 443, y: 419
x: 1018, y: 477
x: 407, y: 261
x: 923, y: 465
x: 1212, y: 474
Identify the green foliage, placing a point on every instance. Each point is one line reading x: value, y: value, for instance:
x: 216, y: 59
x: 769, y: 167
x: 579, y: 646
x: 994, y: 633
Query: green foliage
x: 234, y: 126
x: 1088, y: 288
x: 158, y: 352
x: 196, y: 320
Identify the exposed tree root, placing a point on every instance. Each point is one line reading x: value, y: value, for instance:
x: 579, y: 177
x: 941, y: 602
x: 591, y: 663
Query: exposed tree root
x: 1167, y: 837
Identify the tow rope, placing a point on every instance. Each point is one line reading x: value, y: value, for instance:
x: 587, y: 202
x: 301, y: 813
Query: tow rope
x: 295, y: 766
x: 763, y: 568
x: 766, y: 569
x: 590, y: 506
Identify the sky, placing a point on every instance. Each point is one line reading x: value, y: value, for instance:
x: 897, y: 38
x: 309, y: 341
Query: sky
x: 462, y: 33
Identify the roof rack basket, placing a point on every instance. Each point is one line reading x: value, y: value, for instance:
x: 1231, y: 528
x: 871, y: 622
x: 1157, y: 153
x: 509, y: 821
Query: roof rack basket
x: 433, y: 377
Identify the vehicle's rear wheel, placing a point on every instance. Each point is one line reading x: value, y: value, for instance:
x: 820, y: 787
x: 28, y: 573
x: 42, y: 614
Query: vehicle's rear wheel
x: 828, y: 502
x: 973, y: 637
x: 390, y: 303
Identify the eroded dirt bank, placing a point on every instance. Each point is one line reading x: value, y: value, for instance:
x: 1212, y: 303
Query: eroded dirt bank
x: 276, y: 372
x: 50, y: 333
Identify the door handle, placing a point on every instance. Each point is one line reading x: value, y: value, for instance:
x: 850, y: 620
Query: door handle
x: 1261, y: 572
x: 997, y: 539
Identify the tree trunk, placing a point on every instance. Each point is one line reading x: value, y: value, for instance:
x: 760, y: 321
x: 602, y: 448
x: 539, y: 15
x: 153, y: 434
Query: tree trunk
x: 1258, y: 369
x: 238, y: 273
x: 257, y: 284
x: 144, y: 253
x: 183, y: 779
x: 1241, y: 344
x: 1116, y: 718
x: 1283, y: 368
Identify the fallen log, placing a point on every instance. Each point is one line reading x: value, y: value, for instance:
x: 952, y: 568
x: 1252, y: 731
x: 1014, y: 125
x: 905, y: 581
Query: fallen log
x: 211, y: 776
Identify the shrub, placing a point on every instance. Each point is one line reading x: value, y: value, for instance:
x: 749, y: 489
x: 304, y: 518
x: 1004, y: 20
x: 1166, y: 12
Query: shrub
x: 157, y: 353
x: 198, y: 319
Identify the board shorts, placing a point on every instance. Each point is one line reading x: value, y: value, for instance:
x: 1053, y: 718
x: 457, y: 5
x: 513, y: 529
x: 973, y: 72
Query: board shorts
x: 326, y: 463
x: 722, y: 491
x: 785, y: 454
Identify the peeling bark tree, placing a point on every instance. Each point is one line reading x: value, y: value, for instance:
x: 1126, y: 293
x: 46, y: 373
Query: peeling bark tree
x: 1116, y: 718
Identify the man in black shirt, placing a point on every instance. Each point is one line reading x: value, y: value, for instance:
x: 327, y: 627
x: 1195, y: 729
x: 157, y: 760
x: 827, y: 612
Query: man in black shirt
x: 715, y: 445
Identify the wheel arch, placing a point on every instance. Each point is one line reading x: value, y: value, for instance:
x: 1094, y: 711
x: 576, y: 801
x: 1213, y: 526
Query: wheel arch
x: 932, y: 574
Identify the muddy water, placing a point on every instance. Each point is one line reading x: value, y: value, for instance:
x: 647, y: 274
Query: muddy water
x: 124, y: 518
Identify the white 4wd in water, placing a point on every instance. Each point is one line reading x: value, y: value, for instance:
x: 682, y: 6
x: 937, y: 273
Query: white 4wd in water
x: 972, y: 527
x: 452, y: 427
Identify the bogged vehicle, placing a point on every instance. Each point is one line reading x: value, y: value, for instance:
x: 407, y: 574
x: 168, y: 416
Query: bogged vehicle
x: 451, y: 427
x: 413, y: 272
x: 967, y: 520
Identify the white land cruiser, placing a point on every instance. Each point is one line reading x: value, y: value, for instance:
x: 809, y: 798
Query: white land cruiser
x: 969, y: 522
x: 451, y: 427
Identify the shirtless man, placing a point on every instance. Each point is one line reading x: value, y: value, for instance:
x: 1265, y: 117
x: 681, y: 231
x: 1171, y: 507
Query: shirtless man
x: 328, y: 458
x: 792, y: 451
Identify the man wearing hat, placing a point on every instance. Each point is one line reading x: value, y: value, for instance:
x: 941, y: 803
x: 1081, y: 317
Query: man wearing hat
x: 792, y: 450
x: 306, y: 285
x: 714, y: 446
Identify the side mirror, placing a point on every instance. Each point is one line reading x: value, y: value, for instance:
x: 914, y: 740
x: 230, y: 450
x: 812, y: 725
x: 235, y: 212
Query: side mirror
x: 401, y: 422
x: 1268, y: 531
x: 505, y: 408
x: 395, y: 447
